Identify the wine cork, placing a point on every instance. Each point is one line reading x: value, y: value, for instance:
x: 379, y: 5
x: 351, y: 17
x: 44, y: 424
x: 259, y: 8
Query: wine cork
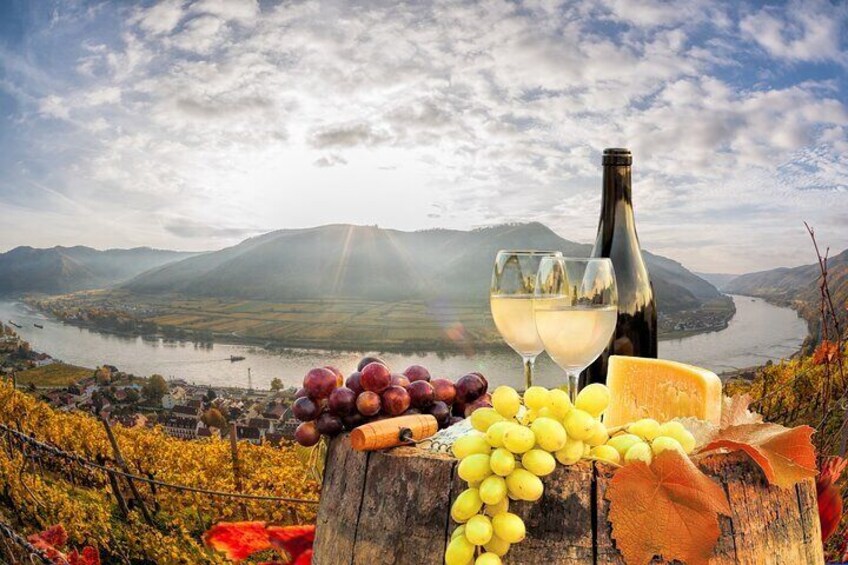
x: 387, y: 433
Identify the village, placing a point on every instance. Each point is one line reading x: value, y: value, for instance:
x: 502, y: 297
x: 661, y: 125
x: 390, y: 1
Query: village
x: 182, y: 409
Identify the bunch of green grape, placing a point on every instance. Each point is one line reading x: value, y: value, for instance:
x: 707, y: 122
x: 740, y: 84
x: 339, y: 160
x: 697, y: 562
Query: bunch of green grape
x: 515, y: 444
x: 643, y: 439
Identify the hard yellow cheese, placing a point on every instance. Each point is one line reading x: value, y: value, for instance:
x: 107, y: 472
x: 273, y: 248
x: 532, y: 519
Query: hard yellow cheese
x: 660, y: 389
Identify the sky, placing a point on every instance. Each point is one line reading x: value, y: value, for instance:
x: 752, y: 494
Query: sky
x: 193, y: 124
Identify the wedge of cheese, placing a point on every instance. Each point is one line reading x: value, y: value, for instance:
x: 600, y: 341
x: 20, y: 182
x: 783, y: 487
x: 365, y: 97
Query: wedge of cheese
x: 660, y: 389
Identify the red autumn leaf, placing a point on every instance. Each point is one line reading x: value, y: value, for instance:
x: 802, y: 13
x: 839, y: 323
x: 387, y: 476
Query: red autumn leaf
x: 304, y: 559
x: 825, y: 353
x: 89, y: 556
x: 828, y: 496
x: 295, y: 540
x: 735, y: 411
x: 238, y: 540
x: 669, y: 508
x: 55, y: 537
x: 786, y: 455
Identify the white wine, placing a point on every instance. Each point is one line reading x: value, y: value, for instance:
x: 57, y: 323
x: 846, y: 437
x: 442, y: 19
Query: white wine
x: 513, y: 314
x: 573, y: 336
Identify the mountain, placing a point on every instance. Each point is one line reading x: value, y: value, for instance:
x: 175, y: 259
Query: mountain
x: 718, y: 280
x: 370, y: 263
x: 67, y: 269
x: 799, y: 286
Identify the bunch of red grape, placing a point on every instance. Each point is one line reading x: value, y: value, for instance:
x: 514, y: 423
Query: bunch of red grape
x: 328, y: 404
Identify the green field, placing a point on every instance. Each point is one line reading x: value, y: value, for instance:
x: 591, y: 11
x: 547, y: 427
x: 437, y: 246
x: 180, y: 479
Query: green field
x: 53, y: 375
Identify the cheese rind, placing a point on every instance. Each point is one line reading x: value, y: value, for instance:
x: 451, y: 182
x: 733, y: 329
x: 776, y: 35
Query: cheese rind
x: 660, y: 389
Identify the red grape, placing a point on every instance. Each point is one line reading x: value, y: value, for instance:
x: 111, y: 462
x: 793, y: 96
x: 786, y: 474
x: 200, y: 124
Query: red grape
x: 458, y: 408
x: 305, y: 409
x: 329, y: 424
x: 421, y: 393
x: 454, y: 420
x: 375, y: 377
x: 368, y: 360
x: 319, y: 383
x: 307, y: 434
x: 469, y: 388
x: 353, y: 382
x: 417, y: 373
x: 301, y: 392
x: 484, y: 401
x: 395, y: 400
x: 368, y: 403
x: 445, y: 390
x: 342, y: 401
x: 441, y: 412
x: 484, y: 379
x: 353, y: 420
x: 399, y: 380
x: 339, y: 375
x: 411, y: 412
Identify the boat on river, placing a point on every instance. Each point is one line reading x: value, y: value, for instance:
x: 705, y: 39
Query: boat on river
x: 234, y: 358
x: 14, y: 324
x: 39, y: 326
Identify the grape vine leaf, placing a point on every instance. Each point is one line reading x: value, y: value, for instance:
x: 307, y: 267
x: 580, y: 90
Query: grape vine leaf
x: 238, y: 540
x: 295, y: 540
x: 669, y: 508
x: 89, y: 556
x: 786, y: 455
x: 828, y: 495
x: 735, y: 411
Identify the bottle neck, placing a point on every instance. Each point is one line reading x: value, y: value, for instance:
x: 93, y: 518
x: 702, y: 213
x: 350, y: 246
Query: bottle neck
x: 616, y: 187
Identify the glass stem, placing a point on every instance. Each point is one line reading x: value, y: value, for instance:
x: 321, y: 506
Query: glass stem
x: 573, y: 383
x: 528, y: 371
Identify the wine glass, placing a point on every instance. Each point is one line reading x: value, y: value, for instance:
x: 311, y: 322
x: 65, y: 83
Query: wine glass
x: 511, y: 299
x: 575, y: 307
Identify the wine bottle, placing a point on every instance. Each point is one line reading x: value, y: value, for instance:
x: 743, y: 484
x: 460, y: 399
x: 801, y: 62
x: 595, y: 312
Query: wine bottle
x: 636, y: 326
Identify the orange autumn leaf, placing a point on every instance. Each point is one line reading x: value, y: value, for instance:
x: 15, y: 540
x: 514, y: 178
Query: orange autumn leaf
x: 669, y: 509
x: 828, y: 495
x: 89, y: 556
x: 735, y: 411
x: 238, y: 540
x: 825, y: 353
x: 785, y: 455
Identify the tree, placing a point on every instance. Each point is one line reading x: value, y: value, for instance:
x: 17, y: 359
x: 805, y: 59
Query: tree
x: 276, y: 384
x: 155, y: 388
x: 214, y: 419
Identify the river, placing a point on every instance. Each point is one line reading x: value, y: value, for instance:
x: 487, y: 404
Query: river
x: 757, y: 333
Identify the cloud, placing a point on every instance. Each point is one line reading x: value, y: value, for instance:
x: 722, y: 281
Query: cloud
x: 186, y: 228
x: 161, y: 18
x: 809, y: 30
x: 330, y: 161
x: 348, y: 135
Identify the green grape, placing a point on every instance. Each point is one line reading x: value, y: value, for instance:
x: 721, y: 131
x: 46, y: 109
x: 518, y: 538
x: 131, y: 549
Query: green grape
x: 524, y: 485
x: 646, y: 428
x: 494, y: 435
x: 550, y: 435
x: 606, y: 453
x: 470, y: 444
x: 623, y: 442
x: 519, y: 439
x: 544, y: 412
x: 586, y: 449
x: 639, y: 452
x: 594, y: 399
x: 502, y: 462
x: 528, y: 417
x: 663, y: 443
x: 559, y: 403
x: 678, y: 431
x: 536, y: 397
x: 491, y: 510
x: 539, y: 462
x: 478, y: 530
x: 484, y: 417
x: 492, y: 490
x: 459, y: 531
x: 488, y: 559
x: 571, y: 453
x: 509, y: 527
x: 599, y: 435
x: 579, y: 424
x: 466, y: 505
x: 460, y: 551
x: 474, y: 468
x: 506, y: 401
x: 497, y: 546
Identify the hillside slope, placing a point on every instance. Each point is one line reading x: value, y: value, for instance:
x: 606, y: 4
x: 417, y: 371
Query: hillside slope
x: 370, y: 263
x: 67, y: 269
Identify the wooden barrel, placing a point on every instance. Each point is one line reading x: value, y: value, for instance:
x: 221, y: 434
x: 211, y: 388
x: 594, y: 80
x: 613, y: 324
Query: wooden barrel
x: 394, y: 508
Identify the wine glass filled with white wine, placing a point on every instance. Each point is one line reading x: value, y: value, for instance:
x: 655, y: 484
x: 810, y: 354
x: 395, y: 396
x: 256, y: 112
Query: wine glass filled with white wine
x: 511, y: 299
x: 575, y: 307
